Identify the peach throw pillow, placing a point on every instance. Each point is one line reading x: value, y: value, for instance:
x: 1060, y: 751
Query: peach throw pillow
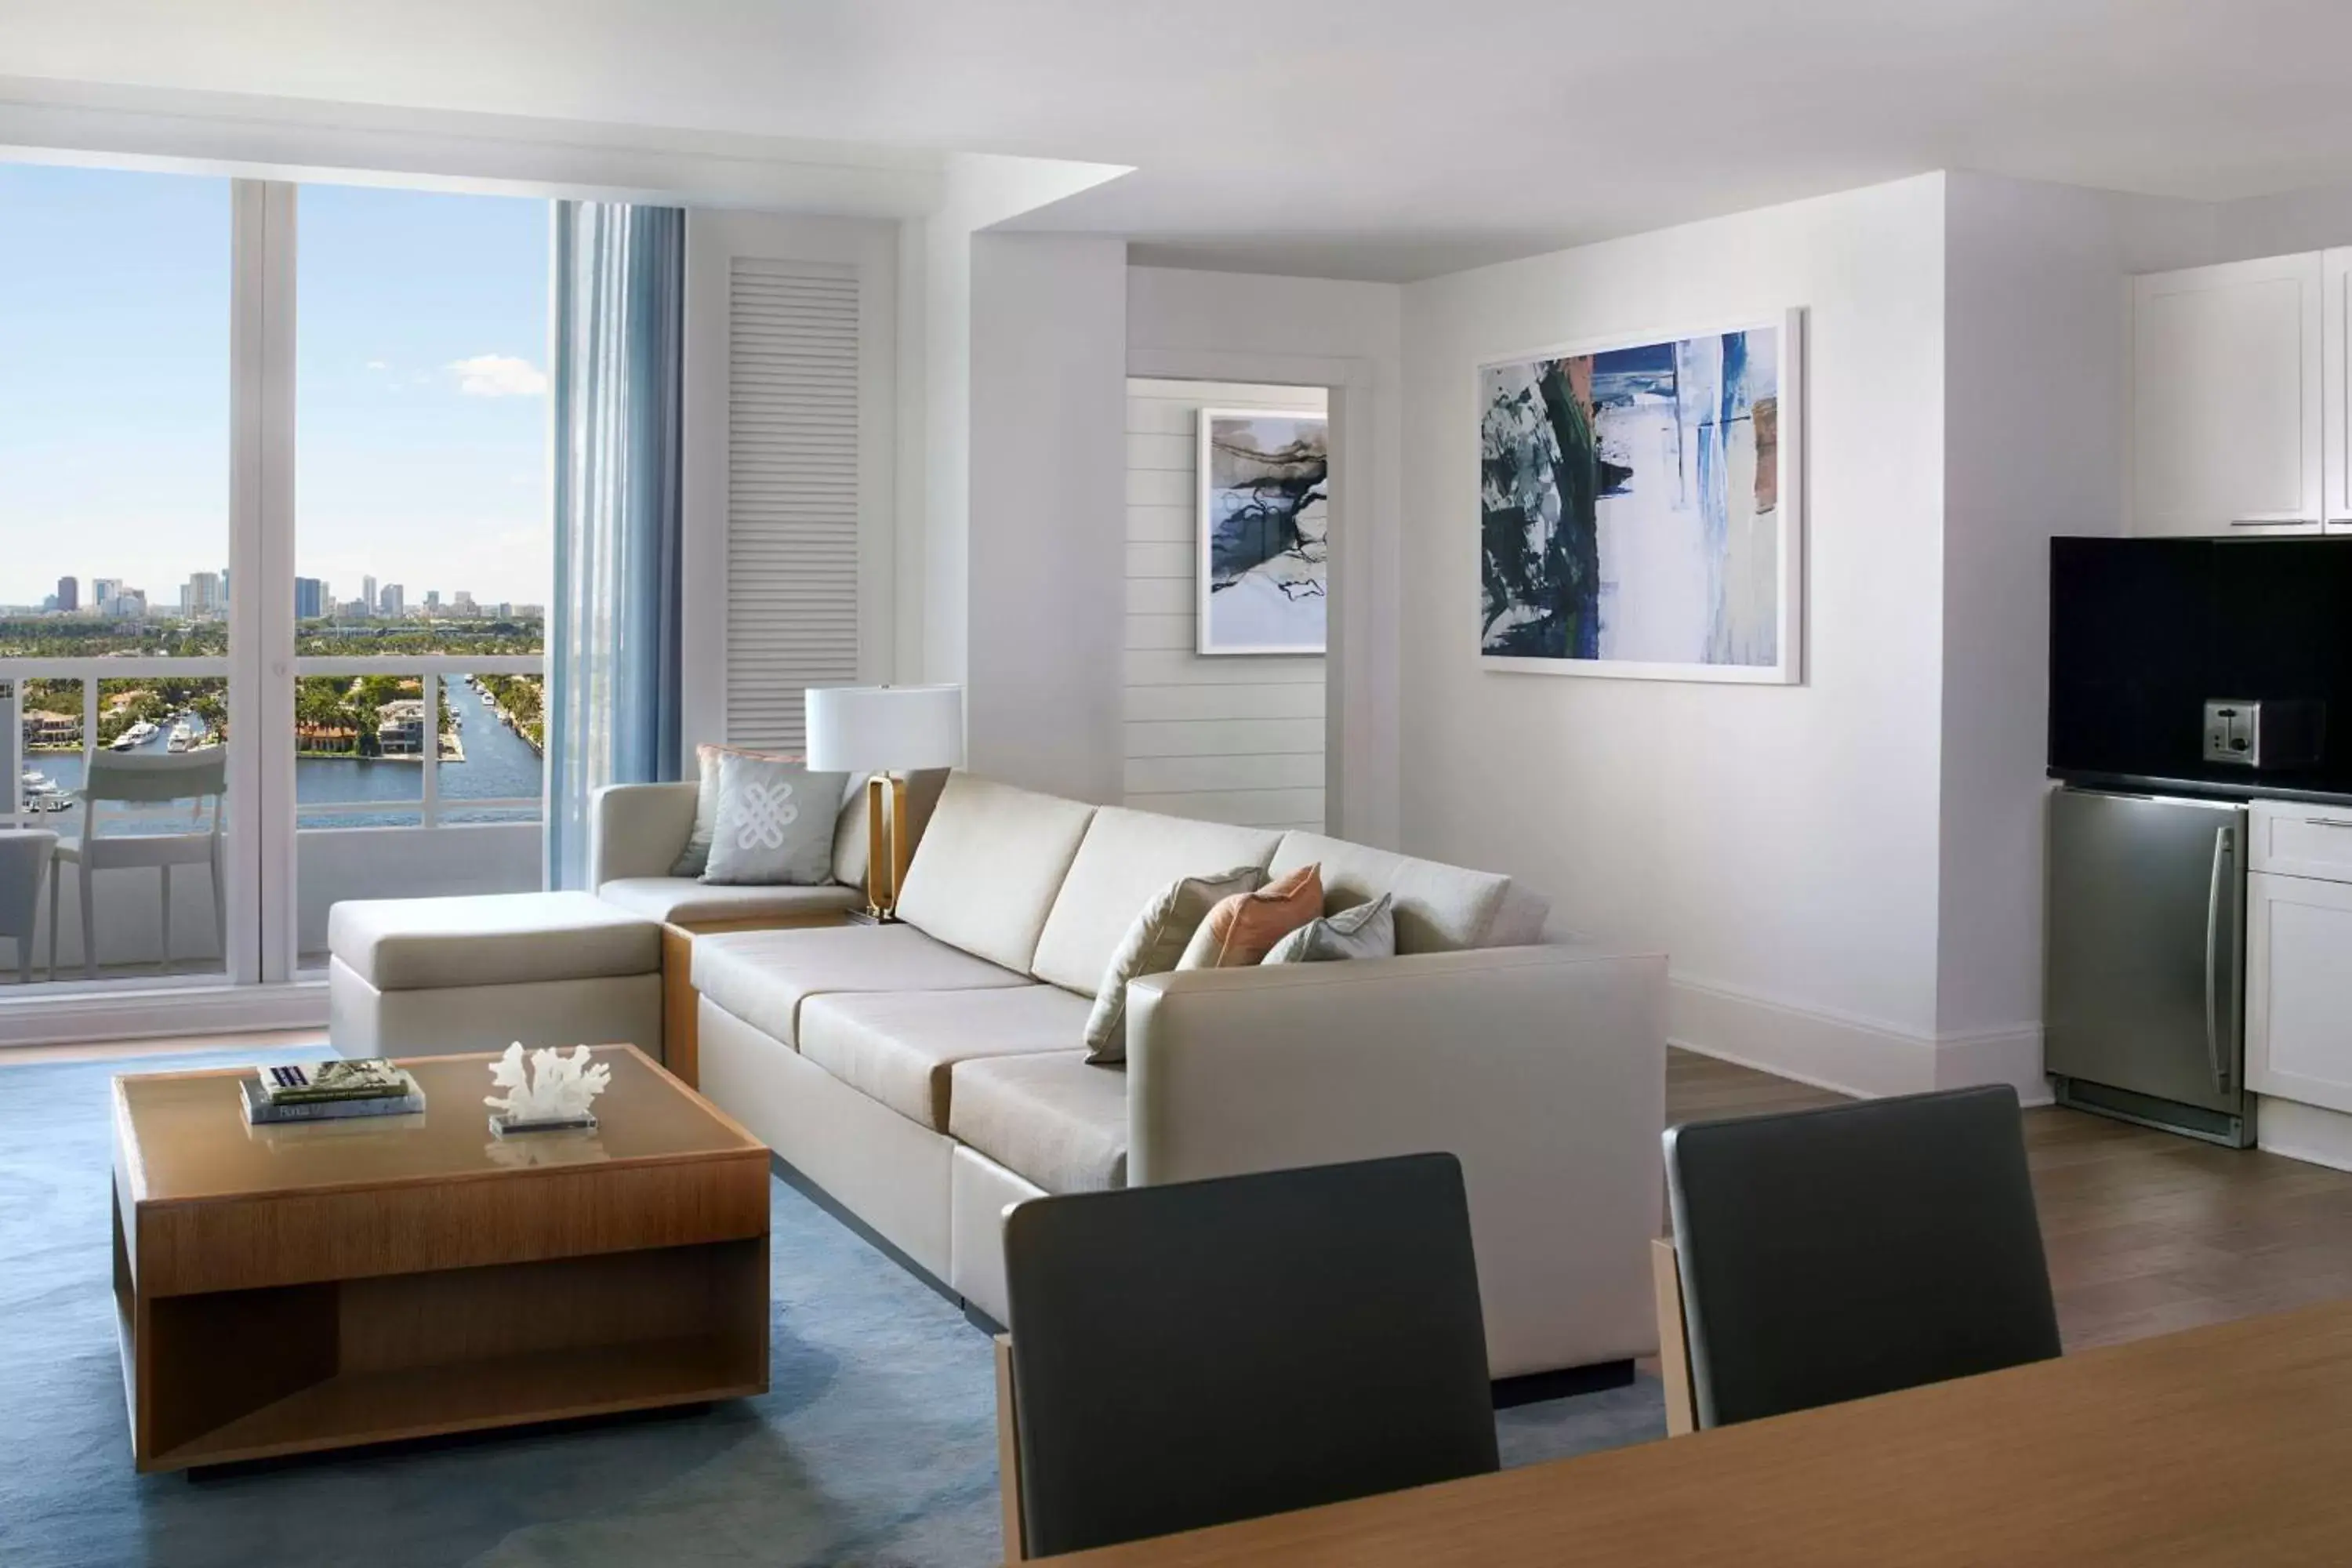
x: 1242, y: 928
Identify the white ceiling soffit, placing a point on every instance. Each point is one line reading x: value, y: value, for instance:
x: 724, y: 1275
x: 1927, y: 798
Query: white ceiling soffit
x: 1385, y: 138
x: 293, y: 138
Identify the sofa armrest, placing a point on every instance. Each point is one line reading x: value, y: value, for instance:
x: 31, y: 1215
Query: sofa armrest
x: 1542, y: 1068
x: 638, y: 830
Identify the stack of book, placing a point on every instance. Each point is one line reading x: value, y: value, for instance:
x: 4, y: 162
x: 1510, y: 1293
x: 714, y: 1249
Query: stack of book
x: 322, y: 1091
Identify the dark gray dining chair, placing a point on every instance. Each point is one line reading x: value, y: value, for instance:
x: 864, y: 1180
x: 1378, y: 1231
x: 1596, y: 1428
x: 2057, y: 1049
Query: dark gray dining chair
x: 1831, y: 1255
x: 1189, y: 1354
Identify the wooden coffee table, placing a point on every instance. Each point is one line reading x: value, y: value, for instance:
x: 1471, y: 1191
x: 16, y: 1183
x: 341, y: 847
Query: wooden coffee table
x: 282, y: 1289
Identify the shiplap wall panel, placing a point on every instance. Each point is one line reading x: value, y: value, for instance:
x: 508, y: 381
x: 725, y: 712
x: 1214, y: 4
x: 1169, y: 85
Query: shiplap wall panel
x: 1229, y: 739
x: 791, y: 491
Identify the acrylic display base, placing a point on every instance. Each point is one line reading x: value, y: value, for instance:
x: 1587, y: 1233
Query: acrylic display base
x: 506, y: 1126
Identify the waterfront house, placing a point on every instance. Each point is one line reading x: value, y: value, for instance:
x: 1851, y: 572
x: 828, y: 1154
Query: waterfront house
x: 400, y: 728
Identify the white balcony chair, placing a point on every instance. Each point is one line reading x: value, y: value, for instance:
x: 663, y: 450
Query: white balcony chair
x: 24, y: 861
x: 145, y: 779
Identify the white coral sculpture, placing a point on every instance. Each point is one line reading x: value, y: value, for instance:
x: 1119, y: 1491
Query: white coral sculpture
x: 556, y: 1087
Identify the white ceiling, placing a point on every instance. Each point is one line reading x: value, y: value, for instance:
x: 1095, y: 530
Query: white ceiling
x: 1381, y: 138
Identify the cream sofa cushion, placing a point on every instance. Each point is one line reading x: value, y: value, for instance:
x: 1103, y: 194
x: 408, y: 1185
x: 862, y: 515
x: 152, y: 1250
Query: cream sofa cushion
x: 763, y: 976
x: 992, y: 858
x: 899, y: 1047
x: 1058, y: 1120
x: 1128, y: 858
x: 1521, y: 920
x: 684, y: 900
x: 494, y: 939
x: 1439, y: 907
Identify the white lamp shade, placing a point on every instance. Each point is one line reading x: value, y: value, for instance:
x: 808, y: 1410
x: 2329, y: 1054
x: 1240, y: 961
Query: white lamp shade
x: 884, y: 728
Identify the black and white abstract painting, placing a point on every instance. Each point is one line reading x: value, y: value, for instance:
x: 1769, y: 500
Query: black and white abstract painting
x: 1265, y: 531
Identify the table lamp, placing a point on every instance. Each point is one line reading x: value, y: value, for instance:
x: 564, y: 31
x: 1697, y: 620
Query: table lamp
x: 884, y: 732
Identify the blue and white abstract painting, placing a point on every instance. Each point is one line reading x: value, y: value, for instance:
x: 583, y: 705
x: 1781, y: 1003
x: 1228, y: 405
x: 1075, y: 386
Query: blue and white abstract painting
x: 1265, y: 531
x: 1636, y: 512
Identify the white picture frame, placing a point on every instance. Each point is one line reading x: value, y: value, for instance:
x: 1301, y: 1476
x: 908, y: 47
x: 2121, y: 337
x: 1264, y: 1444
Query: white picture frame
x: 1787, y: 574
x: 1207, y: 642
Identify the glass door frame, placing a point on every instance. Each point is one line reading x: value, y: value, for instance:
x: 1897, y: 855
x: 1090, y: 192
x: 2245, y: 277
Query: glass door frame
x: 261, y: 579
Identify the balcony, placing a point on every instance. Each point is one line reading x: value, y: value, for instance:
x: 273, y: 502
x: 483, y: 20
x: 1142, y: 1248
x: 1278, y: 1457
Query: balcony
x: 376, y: 810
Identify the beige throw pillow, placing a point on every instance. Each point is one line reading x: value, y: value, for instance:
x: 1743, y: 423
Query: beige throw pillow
x: 1367, y: 931
x: 1152, y: 945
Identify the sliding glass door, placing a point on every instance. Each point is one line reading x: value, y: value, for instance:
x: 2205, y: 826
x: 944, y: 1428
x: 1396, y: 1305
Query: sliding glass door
x: 275, y: 503
x: 115, y: 544
x: 421, y: 548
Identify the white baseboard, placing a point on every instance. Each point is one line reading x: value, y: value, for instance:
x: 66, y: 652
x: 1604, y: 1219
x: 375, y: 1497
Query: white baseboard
x: 96, y: 1017
x: 2013, y: 1056
x: 1847, y: 1055
x: 2308, y: 1132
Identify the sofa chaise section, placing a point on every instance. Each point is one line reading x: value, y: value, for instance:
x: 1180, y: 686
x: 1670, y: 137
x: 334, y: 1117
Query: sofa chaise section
x: 433, y: 976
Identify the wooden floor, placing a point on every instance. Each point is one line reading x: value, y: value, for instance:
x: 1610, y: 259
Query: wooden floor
x: 2146, y: 1232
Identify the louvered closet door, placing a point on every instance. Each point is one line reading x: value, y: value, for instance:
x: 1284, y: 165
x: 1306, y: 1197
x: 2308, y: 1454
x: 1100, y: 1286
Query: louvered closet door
x: 791, y: 491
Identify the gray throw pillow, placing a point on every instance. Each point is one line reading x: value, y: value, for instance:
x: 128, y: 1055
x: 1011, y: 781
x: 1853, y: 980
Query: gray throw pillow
x: 1367, y: 931
x: 695, y: 857
x: 774, y: 822
x: 1152, y: 945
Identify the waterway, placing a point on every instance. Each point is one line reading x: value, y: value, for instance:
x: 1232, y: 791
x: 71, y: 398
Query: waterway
x: 500, y: 766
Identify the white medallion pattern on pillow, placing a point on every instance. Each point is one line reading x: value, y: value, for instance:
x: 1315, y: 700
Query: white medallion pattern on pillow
x: 768, y: 810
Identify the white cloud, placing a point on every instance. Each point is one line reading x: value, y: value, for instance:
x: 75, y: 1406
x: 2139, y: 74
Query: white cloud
x: 377, y: 364
x: 498, y: 376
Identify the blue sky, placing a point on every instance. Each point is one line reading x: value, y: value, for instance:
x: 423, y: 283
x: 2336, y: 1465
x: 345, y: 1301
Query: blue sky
x: 421, y: 404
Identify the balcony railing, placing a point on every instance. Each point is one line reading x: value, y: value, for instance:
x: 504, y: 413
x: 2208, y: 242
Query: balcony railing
x: 431, y: 806
x: 366, y: 828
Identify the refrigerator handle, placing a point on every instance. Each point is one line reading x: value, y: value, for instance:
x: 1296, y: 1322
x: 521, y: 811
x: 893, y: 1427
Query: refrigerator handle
x: 2216, y: 890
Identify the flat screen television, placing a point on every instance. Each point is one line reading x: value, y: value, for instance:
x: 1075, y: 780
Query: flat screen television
x: 2145, y: 632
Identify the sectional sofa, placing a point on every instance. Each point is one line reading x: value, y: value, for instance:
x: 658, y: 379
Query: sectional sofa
x: 928, y: 1075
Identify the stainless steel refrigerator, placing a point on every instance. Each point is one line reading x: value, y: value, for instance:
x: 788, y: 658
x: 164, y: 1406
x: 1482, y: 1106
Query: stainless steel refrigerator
x: 2144, y: 994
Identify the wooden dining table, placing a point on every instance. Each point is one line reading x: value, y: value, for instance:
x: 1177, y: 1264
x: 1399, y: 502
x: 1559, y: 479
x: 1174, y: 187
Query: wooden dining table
x: 2229, y: 1443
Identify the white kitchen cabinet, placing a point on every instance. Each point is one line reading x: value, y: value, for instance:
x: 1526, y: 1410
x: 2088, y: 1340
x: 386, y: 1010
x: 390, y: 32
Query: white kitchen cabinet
x: 2336, y: 362
x: 2299, y: 955
x: 2230, y: 399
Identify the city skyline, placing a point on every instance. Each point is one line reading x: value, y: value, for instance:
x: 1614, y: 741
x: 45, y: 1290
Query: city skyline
x: 420, y: 391
x: 203, y: 591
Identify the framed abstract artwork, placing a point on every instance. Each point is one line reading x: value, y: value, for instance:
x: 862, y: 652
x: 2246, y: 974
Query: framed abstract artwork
x: 1640, y: 505
x: 1265, y: 531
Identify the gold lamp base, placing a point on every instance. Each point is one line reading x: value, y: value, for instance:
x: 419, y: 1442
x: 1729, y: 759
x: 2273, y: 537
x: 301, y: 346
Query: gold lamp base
x: 885, y: 845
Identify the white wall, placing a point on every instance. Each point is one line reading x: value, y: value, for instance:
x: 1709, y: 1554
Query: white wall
x: 1779, y: 843
x: 1232, y: 738
x: 1046, y: 615
x: 2034, y: 445
x: 936, y: 329
x: 1345, y: 337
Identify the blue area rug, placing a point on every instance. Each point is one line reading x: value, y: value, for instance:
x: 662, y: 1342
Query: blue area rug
x: 876, y: 1446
